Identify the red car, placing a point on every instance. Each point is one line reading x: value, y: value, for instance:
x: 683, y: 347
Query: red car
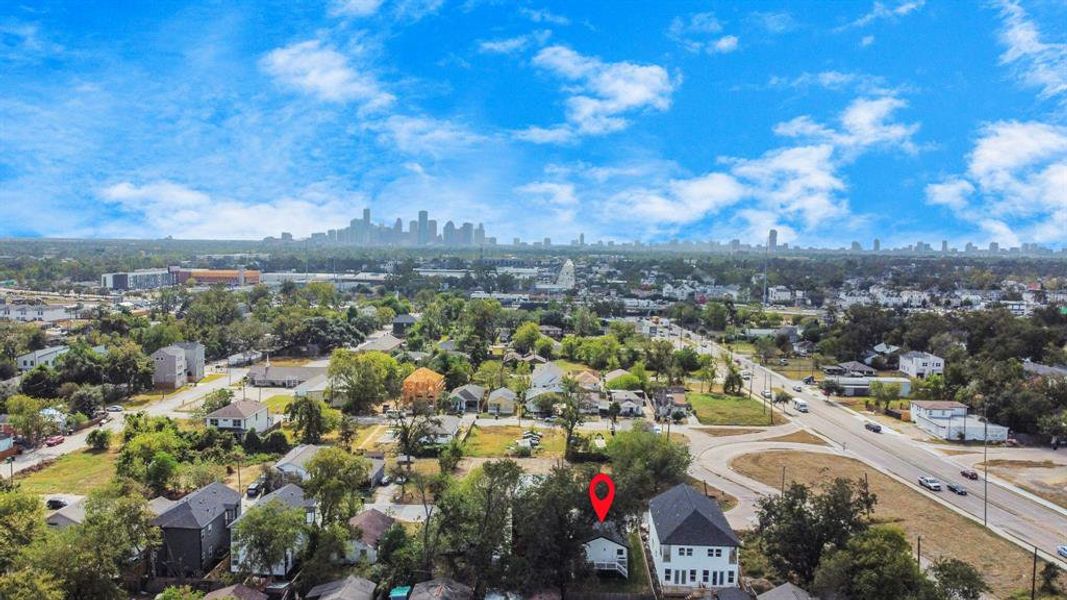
x: 969, y: 473
x: 55, y: 440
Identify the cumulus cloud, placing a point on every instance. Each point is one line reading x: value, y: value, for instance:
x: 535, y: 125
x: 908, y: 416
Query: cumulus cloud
x: 794, y: 188
x: 1016, y: 180
x: 1038, y: 63
x: 316, y: 69
x: 163, y: 207
x: 775, y: 22
x: 602, y: 94
x: 724, y: 45
x: 427, y: 136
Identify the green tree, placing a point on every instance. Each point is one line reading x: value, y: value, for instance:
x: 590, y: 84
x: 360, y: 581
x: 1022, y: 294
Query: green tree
x: 875, y: 565
x: 958, y: 580
x: 525, y: 337
x: 180, y: 593
x: 30, y: 583
x: 215, y: 400
x: 24, y: 414
x: 21, y: 521
x: 334, y: 480
x: 885, y: 393
x: 99, y: 439
x: 160, y: 471
x: 267, y: 534
x: 796, y: 528
x: 308, y: 418
x: 412, y: 432
x: 708, y: 372
x: 644, y: 464
x: 126, y: 364
x: 570, y: 413
x: 362, y: 380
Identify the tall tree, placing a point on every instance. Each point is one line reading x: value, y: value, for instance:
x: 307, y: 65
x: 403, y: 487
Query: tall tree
x: 267, y: 534
x: 309, y: 420
x: 334, y: 480
x: 875, y: 565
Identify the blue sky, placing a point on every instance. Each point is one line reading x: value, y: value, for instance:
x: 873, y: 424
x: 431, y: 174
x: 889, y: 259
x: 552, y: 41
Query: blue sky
x: 831, y: 121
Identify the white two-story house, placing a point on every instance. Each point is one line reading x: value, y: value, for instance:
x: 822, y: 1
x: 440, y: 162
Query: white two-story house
x: 921, y: 365
x: 240, y: 416
x: 691, y: 543
x: 289, y: 497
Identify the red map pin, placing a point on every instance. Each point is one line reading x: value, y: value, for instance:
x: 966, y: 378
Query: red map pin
x: 601, y: 505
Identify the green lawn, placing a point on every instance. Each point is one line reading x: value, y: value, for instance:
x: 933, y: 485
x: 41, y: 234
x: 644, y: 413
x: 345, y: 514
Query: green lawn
x: 212, y: 377
x: 572, y: 367
x: 278, y: 404
x: 150, y: 397
x: 76, y: 473
x: 715, y: 409
x: 494, y: 441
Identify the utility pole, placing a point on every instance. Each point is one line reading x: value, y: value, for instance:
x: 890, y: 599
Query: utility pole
x: 919, y: 552
x: 783, y: 480
x: 985, y: 464
x: 1033, y: 577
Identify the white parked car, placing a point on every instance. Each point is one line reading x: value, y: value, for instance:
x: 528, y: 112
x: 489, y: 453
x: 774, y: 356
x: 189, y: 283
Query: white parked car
x: 1062, y: 551
x: 797, y: 388
x: 930, y: 483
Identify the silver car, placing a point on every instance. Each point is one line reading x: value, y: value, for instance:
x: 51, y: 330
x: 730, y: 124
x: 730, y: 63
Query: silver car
x: 930, y: 483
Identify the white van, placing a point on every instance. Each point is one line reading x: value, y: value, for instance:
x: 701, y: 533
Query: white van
x: 800, y: 405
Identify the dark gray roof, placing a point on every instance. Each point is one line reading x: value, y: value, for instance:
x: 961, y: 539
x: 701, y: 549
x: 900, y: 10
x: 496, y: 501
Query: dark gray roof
x: 289, y: 494
x: 608, y: 530
x: 685, y: 517
x: 299, y: 455
x: 199, y: 508
x: 786, y: 591
x: 372, y: 524
x: 404, y: 318
x: 471, y: 391
x: 441, y: 588
x: 732, y: 593
x: 349, y: 588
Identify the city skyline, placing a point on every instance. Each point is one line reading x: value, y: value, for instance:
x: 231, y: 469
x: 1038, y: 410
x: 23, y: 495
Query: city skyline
x: 829, y: 125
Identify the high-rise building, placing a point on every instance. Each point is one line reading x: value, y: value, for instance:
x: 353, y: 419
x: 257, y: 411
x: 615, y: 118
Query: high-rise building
x: 772, y: 240
x: 877, y: 246
x: 479, y: 235
x: 548, y: 242
x: 856, y: 247
x: 466, y: 234
x: 448, y: 237
x: 944, y: 246
x: 581, y: 239
x: 423, y: 232
x: 994, y: 247
x: 431, y: 235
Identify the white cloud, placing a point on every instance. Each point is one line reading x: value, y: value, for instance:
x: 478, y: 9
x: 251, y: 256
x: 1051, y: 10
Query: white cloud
x: 166, y: 208
x: 425, y: 135
x: 544, y: 16
x: 321, y: 71
x: 880, y: 12
x: 1017, y: 177
x: 514, y: 44
x: 952, y: 193
x: 724, y: 45
x: 865, y: 122
x: 699, y: 33
x: 355, y: 8
x: 560, y: 134
x: 867, y: 40
x: 1039, y: 64
x: 834, y: 80
x: 602, y: 94
x: 775, y: 22
x: 415, y: 10
x: 561, y: 194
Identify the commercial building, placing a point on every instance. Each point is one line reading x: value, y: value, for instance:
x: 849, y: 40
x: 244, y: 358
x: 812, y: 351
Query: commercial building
x: 231, y: 277
x: 141, y: 279
x: 950, y: 421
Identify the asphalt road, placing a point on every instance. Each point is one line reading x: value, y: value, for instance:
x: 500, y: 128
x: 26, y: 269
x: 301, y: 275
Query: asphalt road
x: 1012, y: 513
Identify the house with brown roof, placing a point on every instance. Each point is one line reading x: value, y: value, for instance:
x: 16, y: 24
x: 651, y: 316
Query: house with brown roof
x: 369, y: 525
x: 441, y: 588
x: 423, y: 386
x: 236, y: 592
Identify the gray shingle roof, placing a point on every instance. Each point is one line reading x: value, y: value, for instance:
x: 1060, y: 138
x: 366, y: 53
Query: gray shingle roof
x: 786, y: 591
x: 608, y: 530
x: 199, y: 508
x: 349, y: 588
x: 685, y: 517
x: 441, y: 588
x: 241, y: 409
x: 472, y: 392
x: 299, y: 456
x: 372, y: 524
x: 240, y: 592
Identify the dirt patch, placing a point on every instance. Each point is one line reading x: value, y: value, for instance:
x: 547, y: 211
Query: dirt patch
x: 956, y: 452
x: 944, y: 532
x: 725, y: 431
x: 799, y: 437
x: 1020, y: 464
x: 1044, y: 479
x: 726, y: 501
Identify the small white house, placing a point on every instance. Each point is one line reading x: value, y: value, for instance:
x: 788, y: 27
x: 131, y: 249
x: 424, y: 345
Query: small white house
x: 241, y: 416
x: 289, y: 496
x: 296, y: 460
x: 691, y: 543
x: 921, y: 365
x: 607, y: 551
x: 950, y: 421
x: 502, y: 402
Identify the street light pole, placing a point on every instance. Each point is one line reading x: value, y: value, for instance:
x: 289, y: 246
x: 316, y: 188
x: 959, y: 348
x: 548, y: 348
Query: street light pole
x: 985, y: 464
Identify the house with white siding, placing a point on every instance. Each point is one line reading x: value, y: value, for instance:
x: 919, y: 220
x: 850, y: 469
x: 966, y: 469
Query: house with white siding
x: 691, y: 544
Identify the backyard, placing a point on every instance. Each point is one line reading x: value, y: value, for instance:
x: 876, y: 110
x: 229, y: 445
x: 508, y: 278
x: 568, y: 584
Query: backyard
x: 717, y: 409
x: 494, y: 441
x: 76, y: 473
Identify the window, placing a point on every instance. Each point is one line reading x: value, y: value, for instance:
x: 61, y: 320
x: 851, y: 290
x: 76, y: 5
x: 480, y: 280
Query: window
x: 715, y: 578
x: 619, y: 552
x: 692, y: 574
x: 729, y: 577
x: 705, y: 577
x: 666, y: 575
x: 681, y: 551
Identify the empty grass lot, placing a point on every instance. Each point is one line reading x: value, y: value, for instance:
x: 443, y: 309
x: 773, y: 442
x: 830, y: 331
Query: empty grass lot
x: 76, y: 473
x: 944, y: 532
x: 799, y: 437
x: 279, y: 404
x: 715, y: 409
x: 493, y: 442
